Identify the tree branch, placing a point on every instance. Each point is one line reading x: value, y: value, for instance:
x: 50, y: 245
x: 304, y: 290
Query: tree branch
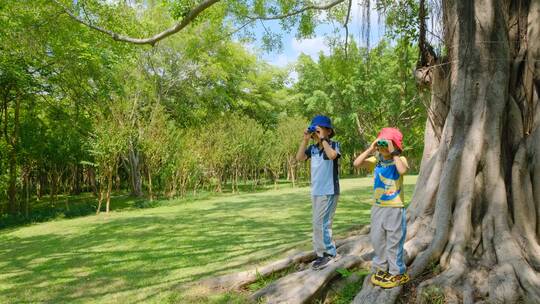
x: 152, y: 40
x: 186, y: 20
x: 347, y: 27
x: 299, y: 11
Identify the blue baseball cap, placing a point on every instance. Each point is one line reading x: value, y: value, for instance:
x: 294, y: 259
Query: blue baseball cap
x: 322, y: 121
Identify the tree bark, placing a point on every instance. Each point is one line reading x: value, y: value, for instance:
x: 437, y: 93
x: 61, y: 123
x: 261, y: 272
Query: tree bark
x: 150, y: 194
x: 93, y: 182
x: 109, y: 189
x: 133, y: 166
x: 12, y: 188
x: 76, y: 180
x: 100, y: 199
x: 26, y: 189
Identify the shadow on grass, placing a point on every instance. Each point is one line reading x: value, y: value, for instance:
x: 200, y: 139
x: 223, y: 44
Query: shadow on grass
x: 145, y: 255
x: 72, y: 206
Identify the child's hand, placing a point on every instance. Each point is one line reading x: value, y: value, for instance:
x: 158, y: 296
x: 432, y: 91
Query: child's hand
x: 373, y: 146
x: 390, y: 146
x: 307, y: 135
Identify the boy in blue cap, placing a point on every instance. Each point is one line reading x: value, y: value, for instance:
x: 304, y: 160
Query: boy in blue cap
x: 324, y: 155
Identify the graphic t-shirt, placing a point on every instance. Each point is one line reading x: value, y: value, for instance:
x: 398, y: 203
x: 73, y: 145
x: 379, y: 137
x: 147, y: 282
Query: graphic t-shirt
x: 387, y: 182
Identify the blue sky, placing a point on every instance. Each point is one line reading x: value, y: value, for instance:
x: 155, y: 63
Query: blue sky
x: 292, y: 47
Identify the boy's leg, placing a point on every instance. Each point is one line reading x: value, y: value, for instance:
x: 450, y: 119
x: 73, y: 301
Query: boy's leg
x: 378, y: 239
x: 328, y: 220
x: 318, y: 208
x: 396, y: 231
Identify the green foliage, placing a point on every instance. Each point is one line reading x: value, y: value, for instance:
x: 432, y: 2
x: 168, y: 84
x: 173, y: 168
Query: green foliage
x: 347, y: 294
x: 281, y: 146
x: 344, y: 272
x: 374, y: 90
x: 401, y: 18
x: 307, y: 24
x: 181, y: 8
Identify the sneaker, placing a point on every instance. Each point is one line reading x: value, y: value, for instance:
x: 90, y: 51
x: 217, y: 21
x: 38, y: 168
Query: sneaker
x: 322, y: 262
x: 379, y: 276
x: 394, y: 280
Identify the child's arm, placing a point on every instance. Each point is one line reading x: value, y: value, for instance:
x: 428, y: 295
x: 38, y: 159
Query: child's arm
x: 301, y: 154
x: 360, y: 162
x: 401, y: 165
x: 331, y: 153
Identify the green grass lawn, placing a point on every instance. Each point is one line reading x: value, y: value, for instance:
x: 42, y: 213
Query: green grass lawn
x: 144, y: 256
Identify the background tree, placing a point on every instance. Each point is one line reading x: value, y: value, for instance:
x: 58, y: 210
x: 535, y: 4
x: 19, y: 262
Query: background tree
x: 107, y: 143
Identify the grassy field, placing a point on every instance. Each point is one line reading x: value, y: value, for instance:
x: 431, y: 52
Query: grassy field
x: 144, y: 256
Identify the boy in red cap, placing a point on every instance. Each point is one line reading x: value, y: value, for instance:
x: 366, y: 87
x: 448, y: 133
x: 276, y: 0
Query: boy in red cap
x: 388, y: 222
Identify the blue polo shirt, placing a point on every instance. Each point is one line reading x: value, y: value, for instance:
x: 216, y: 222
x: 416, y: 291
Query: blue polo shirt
x: 324, y: 171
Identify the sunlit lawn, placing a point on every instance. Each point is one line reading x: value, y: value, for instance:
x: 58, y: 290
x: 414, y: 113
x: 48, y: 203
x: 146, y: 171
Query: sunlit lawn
x: 145, y: 255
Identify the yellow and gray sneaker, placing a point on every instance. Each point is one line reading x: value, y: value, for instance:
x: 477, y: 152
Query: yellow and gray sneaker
x: 379, y: 276
x: 392, y: 281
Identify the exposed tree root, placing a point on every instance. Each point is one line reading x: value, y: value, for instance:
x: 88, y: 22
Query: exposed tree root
x: 241, y: 279
x: 375, y: 294
x: 244, y: 278
x: 306, y: 285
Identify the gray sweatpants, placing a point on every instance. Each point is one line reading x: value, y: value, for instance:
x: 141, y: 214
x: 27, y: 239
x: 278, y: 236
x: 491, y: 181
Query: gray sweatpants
x: 324, y: 208
x: 388, y: 231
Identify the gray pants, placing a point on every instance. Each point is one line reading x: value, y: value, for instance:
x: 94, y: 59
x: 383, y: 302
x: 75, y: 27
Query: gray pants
x: 324, y: 208
x: 388, y: 231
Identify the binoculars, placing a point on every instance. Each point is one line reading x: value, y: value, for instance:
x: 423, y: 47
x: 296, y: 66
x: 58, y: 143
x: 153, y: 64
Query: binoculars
x: 312, y: 129
x: 383, y: 143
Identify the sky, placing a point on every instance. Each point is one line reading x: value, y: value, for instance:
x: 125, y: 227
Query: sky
x: 292, y: 47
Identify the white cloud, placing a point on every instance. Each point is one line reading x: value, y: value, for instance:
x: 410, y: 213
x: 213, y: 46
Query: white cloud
x: 251, y: 47
x: 310, y: 47
x: 282, y: 60
x: 293, y: 76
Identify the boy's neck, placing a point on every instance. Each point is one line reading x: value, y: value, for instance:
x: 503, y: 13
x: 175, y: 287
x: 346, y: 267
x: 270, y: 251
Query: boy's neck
x: 387, y: 157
